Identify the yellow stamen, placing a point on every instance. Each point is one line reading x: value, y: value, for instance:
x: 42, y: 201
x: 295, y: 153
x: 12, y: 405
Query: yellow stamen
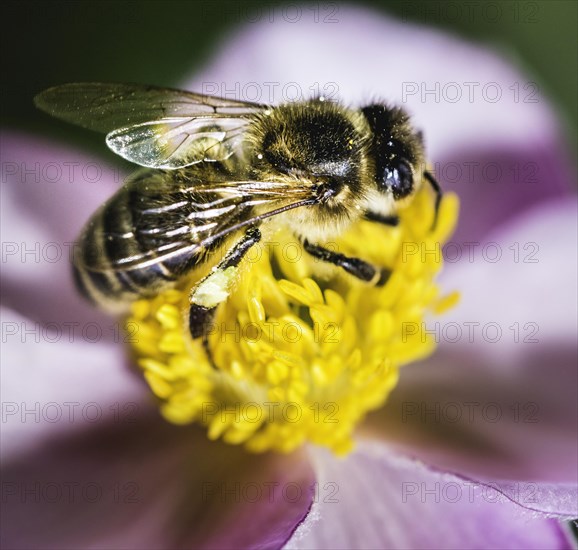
x: 303, y: 351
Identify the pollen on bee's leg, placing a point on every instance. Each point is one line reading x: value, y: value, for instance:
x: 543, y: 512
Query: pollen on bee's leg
x: 300, y: 354
x: 214, y: 288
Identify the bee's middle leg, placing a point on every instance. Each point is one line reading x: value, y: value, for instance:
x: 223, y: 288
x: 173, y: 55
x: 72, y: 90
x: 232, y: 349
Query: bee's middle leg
x: 203, y: 307
x: 361, y: 269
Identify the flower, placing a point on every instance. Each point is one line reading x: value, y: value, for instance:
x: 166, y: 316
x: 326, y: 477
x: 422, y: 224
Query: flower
x: 283, y: 349
x: 72, y: 478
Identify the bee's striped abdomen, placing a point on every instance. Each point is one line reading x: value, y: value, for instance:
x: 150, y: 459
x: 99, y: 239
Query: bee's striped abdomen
x: 106, y: 260
x: 154, y: 230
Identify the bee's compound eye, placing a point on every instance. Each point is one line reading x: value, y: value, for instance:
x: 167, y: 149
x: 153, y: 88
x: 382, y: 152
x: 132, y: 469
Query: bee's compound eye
x: 399, y: 179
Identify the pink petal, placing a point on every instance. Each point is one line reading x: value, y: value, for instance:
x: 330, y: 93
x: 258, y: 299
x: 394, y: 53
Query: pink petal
x: 48, y: 193
x: 360, y: 55
x: 524, y: 272
x: 56, y: 381
x: 52, y: 185
x: 400, y: 503
x: 466, y: 415
x: 151, y: 485
x: 504, y: 409
x: 88, y: 463
x: 496, y: 185
x: 367, y: 54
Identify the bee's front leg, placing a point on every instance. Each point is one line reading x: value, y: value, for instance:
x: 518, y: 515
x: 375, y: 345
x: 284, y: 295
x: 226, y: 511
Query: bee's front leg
x: 438, y: 191
x: 361, y: 269
x: 216, y: 286
x: 380, y: 218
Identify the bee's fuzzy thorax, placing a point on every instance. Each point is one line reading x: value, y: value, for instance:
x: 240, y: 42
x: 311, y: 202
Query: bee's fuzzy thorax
x: 317, y: 145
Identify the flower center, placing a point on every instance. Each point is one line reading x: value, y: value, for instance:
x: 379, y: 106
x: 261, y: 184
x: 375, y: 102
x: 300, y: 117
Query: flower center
x: 300, y: 351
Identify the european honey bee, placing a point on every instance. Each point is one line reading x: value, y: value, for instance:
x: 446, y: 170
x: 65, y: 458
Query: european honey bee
x: 223, y: 173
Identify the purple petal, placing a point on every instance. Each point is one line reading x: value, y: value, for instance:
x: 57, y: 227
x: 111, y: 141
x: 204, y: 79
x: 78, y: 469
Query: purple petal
x: 459, y: 413
x: 400, y: 503
x: 48, y: 193
x: 53, y: 185
x: 61, y: 381
x: 502, y: 408
x: 496, y: 185
x: 360, y: 55
x: 524, y: 272
x: 88, y: 463
x: 151, y: 485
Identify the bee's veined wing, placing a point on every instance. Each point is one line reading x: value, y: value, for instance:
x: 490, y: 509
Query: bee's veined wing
x: 179, y: 228
x: 151, y: 126
x: 177, y: 142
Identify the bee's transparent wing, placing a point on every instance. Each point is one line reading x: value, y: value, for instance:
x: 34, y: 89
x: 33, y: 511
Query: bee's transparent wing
x: 177, y: 142
x: 151, y: 126
x: 179, y: 228
x: 106, y: 107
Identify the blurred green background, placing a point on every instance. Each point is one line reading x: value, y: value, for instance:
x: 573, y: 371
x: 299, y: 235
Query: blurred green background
x: 157, y: 42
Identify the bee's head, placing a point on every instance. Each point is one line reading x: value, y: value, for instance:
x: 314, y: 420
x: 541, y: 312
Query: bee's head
x: 396, y: 149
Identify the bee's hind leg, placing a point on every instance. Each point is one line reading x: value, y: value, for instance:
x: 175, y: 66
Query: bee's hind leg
x: 200, y: 323
x: 215, y: 287
x: 377, y: 276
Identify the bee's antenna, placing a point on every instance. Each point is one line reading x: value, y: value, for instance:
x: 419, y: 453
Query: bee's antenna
x: 261, y: 217
x: 439, y: 193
